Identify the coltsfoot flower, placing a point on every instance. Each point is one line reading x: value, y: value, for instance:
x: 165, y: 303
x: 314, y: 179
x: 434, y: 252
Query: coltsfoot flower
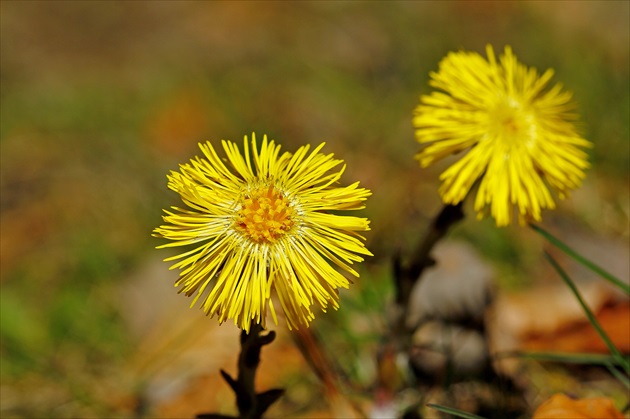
x: 520, y: 136
x: 262, y: 226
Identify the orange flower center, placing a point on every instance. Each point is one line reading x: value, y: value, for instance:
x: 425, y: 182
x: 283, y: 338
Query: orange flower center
x: 514, y: 124
x: 265, y: 215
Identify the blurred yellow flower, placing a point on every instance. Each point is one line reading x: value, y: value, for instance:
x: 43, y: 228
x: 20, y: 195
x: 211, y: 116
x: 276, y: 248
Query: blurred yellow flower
x: 521, y: 137
x: 262, y: 226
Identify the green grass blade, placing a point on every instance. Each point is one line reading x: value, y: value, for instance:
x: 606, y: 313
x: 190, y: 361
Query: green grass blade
x: 619, y: 375
x: 567, y: 358
x: 581, y: 259
x: 454, y: 412
x: 591, y: 317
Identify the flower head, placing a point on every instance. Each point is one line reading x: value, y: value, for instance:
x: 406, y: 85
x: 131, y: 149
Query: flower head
x: 519, y: 135
x: 261, y: 226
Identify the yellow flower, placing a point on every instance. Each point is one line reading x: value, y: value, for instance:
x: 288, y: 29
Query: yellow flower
x: 263, y: 226
x: 520, y: 136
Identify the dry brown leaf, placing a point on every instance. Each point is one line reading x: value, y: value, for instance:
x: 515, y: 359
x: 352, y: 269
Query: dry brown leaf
x: 561, y: 406
x: 578, y: 337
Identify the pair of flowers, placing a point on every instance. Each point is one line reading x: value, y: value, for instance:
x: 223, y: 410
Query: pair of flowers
x: 262, y: 226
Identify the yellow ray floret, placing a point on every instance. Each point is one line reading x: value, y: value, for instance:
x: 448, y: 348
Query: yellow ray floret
x: 519, y: 136
x: 258, y: 227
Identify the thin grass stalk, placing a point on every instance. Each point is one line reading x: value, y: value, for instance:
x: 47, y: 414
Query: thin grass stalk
x: 454, y: 412
x: 623, y: 379
x: 581, y: 259
x: 591, y: 317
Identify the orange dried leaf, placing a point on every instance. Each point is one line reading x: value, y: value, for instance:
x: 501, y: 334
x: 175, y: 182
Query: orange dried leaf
x: 561, y: 406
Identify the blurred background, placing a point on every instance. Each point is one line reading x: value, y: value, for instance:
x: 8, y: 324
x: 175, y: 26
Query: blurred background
x: 99, y: 100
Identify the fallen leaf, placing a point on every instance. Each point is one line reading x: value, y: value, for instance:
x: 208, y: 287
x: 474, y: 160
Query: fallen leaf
x: 580, y: 337
x: 561, y: 406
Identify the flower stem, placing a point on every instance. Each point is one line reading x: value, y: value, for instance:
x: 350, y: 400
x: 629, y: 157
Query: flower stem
x: 407, y: 276
x: 251, y: 405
